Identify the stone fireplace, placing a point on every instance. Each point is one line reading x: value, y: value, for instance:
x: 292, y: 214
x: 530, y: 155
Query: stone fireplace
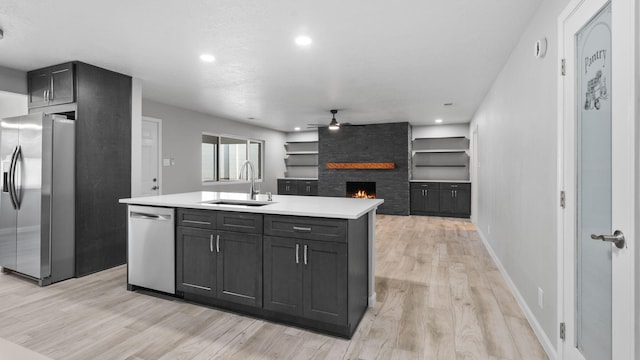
x: 378, y: 153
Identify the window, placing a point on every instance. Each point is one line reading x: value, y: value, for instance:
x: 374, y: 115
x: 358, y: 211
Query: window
x: 223, y: 156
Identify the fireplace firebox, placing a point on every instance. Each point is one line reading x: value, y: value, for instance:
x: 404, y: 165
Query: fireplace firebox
x: 361, y: 189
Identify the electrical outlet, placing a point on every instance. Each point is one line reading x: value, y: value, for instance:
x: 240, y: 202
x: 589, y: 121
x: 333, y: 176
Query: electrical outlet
x: 540, y: 298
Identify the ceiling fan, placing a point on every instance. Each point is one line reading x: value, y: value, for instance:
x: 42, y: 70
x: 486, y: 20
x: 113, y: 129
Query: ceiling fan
x: 333, y: 125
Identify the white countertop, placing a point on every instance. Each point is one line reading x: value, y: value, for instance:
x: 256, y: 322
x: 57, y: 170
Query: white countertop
x: 315, y: 206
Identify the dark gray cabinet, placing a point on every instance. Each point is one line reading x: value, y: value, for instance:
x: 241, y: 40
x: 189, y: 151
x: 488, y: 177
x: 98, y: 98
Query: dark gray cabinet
x: 306, y: 278
x: 441, y: 199
x: 425, y: 198
x: 198, y: 274
x: 282, y: 275
x: 239, y: 267
x: 455, y: 199
x: 312, y: 272
x: 315, y: 268
x: 298, y: 187
x: 216, y: 263
x: 324, y: 282
x: 53, y: 85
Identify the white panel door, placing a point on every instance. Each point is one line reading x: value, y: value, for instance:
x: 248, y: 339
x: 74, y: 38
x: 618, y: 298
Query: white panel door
x: 597, y: 142
x: 151, y: 150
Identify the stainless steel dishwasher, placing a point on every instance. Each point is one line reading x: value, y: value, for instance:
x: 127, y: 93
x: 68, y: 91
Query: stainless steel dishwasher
x: 151, y: 248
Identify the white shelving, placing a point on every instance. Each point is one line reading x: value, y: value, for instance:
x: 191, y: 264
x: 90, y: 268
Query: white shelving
x: 442, y: 158
x: 302, y: 159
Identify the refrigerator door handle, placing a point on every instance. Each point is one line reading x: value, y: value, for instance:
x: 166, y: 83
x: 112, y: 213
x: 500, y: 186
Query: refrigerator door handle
x: 12, y: 178
x: 17, y: 185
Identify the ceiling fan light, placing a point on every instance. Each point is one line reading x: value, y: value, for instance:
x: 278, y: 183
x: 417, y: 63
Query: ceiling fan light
x: 333, y: 125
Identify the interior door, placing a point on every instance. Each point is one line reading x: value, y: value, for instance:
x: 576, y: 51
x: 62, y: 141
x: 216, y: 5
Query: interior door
x: 150, y: 141
x: 597, y: 178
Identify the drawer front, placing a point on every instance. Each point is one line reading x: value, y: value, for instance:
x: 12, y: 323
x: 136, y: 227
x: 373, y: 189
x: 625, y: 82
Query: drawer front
x: 298, y: 227
x: 239, y: 222
x: 205, y: 219
x: 455, y: 186
x: 426, y: 185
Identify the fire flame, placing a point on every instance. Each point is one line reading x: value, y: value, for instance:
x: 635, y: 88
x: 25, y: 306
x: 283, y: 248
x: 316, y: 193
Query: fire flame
x: 361, y: 194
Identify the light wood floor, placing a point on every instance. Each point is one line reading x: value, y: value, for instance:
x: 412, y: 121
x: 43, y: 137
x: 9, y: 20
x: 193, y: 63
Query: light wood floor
x: 440, y: 296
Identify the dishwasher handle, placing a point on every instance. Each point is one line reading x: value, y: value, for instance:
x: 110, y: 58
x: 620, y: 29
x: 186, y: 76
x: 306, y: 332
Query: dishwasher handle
x: 146, y: 216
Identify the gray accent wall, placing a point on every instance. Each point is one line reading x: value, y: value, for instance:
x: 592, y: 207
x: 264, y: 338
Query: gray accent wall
x: 367, y: 143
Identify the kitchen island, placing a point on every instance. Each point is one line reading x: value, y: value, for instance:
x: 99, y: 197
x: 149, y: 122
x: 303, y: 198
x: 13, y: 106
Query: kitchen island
x: 294, y: 259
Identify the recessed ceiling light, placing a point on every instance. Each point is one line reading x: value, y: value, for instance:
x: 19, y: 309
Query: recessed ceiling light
x: 296, y: 128
x: 438, y: 121
x: 303, y: 40
x: 207, y: 58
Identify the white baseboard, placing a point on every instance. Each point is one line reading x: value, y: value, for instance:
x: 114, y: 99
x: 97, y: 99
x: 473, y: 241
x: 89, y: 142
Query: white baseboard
x: 547, y: 344
x: 372, y: 300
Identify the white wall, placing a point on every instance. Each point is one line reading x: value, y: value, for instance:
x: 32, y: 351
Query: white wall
x: 517, y: 151
x: 181, y: 138
x: 303, y: 136
x: 14, y: 81
x: 12, y: 104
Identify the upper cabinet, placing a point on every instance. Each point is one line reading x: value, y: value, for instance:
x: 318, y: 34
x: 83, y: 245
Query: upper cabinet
x: 53, y: 85
x: 302, y: 159
x: 442, y: 158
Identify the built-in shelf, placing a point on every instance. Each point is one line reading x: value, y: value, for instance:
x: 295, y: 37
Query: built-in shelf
x: 442, y: 158
x: 301, y: 159
x: 302, y: 152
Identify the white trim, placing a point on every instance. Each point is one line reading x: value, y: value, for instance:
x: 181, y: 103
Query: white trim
x: 159, y: 122
x: 547, y: 344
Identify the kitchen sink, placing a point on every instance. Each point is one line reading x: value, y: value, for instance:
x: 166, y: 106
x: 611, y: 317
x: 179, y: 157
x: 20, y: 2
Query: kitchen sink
x: 229, y: 202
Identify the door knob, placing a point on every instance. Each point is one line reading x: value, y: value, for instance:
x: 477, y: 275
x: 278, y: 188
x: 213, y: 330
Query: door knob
x: 617, y: 238
x: 154, y: 187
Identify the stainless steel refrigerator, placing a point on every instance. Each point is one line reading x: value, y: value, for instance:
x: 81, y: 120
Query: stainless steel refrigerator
x: 37, y: 197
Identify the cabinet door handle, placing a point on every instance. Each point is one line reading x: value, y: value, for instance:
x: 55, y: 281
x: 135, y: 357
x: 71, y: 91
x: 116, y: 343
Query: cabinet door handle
x: 217, y: 243
x: 51, y: 93
x: 426, y: 193
x: 196, y: 222
x: 305, y: 255
x: 297, y: 253
x: 452, y: 194
x: 455, y: 192
x: 302, y: 229
x: 211, y: 243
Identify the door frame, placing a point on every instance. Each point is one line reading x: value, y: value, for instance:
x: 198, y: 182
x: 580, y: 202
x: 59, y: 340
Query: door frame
x: 159, y: 122
x: 624, y: 26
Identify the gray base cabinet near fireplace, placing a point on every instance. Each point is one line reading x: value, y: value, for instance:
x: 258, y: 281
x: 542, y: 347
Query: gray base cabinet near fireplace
x: 441, y: 199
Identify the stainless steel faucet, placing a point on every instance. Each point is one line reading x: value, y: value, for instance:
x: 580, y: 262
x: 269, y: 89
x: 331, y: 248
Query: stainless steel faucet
x: 252, y: 188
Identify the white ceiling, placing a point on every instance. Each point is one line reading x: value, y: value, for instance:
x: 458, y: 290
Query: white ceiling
x: 376, y: 60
